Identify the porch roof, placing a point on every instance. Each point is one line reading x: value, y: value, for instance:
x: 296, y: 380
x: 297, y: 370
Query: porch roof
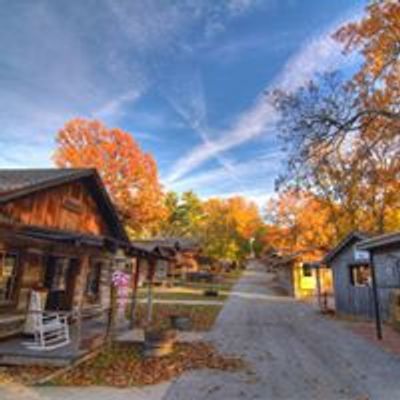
x: 49, y: 235
x: 151, y: 248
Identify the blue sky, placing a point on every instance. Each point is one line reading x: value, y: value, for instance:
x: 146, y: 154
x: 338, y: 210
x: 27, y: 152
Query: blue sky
x: 186, y: 78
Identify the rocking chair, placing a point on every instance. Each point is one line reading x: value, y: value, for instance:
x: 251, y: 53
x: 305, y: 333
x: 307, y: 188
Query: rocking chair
x: 50, y: 329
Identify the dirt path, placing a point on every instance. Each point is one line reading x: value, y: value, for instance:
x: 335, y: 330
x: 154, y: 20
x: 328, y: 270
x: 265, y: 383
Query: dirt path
x: 294, y: 353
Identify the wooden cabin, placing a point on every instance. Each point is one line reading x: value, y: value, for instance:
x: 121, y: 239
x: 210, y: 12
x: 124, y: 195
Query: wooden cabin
x: 384, y: 252
x: 297, y: 275
x: 175, y: 258
x: 59, y: 234
x: 351, y: 277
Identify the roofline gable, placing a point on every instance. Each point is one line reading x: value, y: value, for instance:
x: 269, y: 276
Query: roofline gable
x: 105, y: 205
x: 354, y: 235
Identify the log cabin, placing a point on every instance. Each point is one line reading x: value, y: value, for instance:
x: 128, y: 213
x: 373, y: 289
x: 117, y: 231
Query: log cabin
x: 59, y: 234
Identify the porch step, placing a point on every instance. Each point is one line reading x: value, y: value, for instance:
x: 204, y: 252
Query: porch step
x: 39, y: 361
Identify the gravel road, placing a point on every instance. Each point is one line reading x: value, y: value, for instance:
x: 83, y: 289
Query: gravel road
x: 293, y: 353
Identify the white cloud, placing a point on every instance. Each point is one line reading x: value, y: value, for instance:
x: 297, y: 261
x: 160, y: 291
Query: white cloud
x: 113, y: 108
x: 252, y: 179
x: 57, y: 63
x: 319, y: 54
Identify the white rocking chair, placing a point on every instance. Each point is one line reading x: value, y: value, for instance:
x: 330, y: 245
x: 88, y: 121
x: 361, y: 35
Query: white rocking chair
x: 50, y: 329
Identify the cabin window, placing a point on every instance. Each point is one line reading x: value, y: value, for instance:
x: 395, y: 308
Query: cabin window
x: 93, y: 281
x: 307, y: 270
x: 360, y: 275
x: 8, y: 276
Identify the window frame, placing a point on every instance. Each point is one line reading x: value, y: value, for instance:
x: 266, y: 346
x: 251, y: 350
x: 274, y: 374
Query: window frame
x: 306, y: 270
x: 353, y: 274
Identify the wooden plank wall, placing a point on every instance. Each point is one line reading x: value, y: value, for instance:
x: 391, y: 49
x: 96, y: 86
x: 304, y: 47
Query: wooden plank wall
x: 358, y: 300
x: 68, y: 207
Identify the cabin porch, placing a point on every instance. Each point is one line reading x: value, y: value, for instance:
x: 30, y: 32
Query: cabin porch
x: 84, y: 340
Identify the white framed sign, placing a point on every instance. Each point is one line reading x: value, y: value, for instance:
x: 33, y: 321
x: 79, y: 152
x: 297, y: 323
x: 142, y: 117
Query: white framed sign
x: 360, y: 255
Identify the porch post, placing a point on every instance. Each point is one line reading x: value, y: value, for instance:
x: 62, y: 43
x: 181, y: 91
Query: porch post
x: 112, y: 312
x: 318, y: 273
x: 152, y: 268
x: 135, y: 283
x: 80, y: 292
x: 378, y: 320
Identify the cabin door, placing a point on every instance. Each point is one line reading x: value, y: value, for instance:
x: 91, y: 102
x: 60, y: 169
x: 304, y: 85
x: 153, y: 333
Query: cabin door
x: 60, y: 282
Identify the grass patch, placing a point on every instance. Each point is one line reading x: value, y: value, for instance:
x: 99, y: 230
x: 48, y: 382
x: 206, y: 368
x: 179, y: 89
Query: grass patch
x: 183, y: 290
x: 182, y: 293
x: 122, y: 365
x: 202, y: 316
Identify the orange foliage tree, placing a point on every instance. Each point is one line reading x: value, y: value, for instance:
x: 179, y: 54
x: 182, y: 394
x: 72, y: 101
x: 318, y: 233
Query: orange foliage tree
x: 342, y: 136
x: 129, y: 174
x: 227, y: 227
x: 299, y: 221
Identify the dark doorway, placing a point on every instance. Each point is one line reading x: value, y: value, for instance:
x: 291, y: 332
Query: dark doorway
x: 60, y: 282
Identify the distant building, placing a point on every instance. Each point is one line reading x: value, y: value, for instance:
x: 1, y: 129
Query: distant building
x: 297, y: 275
x: 177, y: 258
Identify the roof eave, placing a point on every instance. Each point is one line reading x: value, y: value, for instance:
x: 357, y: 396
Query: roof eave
x: 380, y: 241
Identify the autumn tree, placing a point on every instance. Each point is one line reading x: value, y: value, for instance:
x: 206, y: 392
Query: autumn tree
x: 130, y: 175
x: 228, y: 226
x: 377, y: 38
x: 342, y: 136
x: 184, y: 215
x: 299, y: 221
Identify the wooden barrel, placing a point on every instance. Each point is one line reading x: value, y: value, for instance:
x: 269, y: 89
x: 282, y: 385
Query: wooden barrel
x: 159, y: 343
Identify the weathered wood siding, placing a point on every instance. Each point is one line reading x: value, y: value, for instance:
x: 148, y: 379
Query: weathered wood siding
x: 387, y: 267
x: 358, y: 300
x: 350, y: 299
x: 68, y: 207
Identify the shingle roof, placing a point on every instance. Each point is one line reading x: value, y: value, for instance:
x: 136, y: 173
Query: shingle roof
x: 15, y: 181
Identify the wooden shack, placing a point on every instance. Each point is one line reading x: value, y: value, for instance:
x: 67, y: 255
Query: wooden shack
x: 175, y: 258
x: 352, y: 277
x: 297, y: 275
x: 59, y: 234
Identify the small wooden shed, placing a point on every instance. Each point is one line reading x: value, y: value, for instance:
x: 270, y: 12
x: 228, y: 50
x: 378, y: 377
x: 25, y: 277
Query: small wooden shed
x: 351, y: 267
x: 296, y: 273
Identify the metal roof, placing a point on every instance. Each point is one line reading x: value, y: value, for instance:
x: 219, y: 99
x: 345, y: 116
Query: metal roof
x: 375, y: 242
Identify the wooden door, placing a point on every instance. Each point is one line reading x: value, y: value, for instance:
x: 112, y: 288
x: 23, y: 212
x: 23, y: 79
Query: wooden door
x: 60, y: 280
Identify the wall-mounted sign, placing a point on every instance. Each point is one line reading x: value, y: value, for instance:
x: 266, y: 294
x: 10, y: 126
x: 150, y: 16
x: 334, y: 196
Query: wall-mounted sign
x: 361, y: 255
